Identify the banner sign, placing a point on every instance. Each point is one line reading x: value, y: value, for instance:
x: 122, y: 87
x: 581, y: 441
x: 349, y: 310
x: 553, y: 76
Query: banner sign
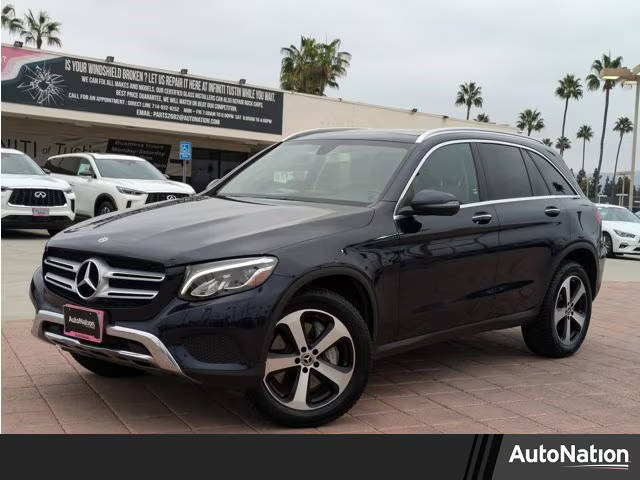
x: 156, y: 153
x: 70, y: 83
x: 40, y: 147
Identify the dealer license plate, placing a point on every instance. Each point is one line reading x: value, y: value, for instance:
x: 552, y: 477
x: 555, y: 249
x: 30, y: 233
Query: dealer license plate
x: 83, y: 323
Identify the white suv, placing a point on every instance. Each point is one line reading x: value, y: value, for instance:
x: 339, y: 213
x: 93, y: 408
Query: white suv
x: 105, y: 182
x: 32, y: 199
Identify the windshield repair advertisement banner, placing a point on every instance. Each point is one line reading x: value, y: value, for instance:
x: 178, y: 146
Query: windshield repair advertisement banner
x: 48, y: 80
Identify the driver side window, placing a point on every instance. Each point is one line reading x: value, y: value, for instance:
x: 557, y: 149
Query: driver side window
x: 450, y: 169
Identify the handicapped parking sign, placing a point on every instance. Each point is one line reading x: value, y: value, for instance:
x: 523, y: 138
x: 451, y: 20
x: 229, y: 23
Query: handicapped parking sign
x: 185, y: 150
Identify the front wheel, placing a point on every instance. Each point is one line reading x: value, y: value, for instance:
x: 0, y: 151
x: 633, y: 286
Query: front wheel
x: 106, y: 206
x: 608, y: 245
x: 317, y: 363
x: 564, y: 317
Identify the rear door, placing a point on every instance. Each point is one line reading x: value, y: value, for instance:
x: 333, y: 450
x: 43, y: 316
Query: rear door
x: 534, y: 224
x: 447, y: 263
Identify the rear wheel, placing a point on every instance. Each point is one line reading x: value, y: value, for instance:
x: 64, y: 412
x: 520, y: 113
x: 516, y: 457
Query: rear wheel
x: 105, y: 369
x: 106, y: 206
x: 317, y: 363
x: 565, y: 314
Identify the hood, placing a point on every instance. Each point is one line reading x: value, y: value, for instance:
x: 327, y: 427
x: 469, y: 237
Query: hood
x: 629, y: 227
x: 201, y: 228
x: 149, y: 186
x: 32, y: 181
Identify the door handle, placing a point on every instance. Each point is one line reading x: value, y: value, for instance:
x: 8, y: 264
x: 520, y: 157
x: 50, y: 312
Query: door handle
x: 481, y: 218
x: 552, y: 211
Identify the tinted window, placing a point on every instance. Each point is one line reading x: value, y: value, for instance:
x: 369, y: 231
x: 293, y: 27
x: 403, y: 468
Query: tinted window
x: 135, y: 168
x: 333, y: 170
x: 68, y: 165
x: 555, y: 182
x: 450, y: 169
x: 538, y: 184
x: 506, y: 174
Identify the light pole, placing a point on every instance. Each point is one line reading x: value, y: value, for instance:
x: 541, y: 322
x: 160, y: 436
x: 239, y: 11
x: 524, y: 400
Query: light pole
x: 631, y: 77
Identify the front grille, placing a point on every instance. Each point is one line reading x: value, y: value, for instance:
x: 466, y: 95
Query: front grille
x: 160, y: 196
x: 214, y: 348
x: 110, y: 279
x: 37, y: 197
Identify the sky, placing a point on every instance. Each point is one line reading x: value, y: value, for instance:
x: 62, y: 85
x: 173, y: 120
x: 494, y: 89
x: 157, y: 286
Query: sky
x: 405, y: 54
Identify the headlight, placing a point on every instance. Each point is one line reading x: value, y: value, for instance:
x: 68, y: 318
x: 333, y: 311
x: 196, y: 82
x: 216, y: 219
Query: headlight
x: 225, y: 277
x: 68, y: 190
x: 128, y: 191
x: 624, y: 234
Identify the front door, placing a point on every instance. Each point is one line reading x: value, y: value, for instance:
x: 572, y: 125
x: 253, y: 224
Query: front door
x: 447, y: 264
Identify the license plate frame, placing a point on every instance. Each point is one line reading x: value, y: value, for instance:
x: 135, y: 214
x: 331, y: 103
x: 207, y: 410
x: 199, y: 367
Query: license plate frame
x: 77, y: 320
x: 40, y: 212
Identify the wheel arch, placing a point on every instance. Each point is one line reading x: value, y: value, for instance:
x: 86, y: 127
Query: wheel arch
x: 586, y: 255
x: 346, y: 282
x: 100, y: 198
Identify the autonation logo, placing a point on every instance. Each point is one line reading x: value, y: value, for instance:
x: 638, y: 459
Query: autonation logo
x: 572, y: 457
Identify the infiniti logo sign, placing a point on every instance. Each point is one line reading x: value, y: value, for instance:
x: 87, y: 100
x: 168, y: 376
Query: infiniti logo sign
x: 171, y: 197
x: 40, y: 194
x: 88, y: 279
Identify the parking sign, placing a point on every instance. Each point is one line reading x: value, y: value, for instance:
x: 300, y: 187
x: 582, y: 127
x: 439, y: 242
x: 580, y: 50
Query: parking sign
x: 185, y: 150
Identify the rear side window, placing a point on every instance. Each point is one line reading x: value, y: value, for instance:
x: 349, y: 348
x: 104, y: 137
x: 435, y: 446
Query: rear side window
x: 68, y: 165
x: 538, y: 184
x: 506, y: 174
x: 556, y: 183
x: 450, y: 169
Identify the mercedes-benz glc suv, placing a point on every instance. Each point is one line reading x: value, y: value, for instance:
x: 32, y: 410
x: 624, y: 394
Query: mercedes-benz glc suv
x: 322, y: 253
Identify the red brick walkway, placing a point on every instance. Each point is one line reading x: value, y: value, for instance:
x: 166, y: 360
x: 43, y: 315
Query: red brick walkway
x: 483, y: 383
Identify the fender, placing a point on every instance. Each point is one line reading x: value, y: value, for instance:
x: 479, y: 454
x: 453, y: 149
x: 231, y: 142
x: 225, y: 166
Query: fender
x: 99, y: 198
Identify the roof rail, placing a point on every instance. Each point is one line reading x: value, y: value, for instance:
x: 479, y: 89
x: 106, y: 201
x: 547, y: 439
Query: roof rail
x: 438, y: 131
x: 304, y: 133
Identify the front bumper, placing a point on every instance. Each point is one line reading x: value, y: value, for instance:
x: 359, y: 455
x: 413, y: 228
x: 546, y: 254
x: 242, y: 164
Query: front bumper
x: 625, y: 245
x: 21, y: 216
x: 220, y: 342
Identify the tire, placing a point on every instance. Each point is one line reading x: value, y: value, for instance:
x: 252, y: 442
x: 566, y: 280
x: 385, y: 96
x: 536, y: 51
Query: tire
x: 608, y: 245
x: 54, y: 231
x: 106, y: 369
x: 106, y: 206
x: 547, y: 335
x: 335, y: 326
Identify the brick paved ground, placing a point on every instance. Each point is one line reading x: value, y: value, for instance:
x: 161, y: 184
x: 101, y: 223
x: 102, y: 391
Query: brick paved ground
x: 483, y: 383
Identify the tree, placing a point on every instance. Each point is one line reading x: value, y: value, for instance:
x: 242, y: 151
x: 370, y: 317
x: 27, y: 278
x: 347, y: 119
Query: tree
x: 469, y: 94
x: 594, y: 183
x: 312, y: 67
x: 594, y: 82
x: 547, y: 142
x: 569, y: 88
x: 563, y: 143
x: 623, y: 126
x: 9, y: 20
x: 530, y: 120
x: 585, y: 132
x: 40, y: 28
x: 482, y: 117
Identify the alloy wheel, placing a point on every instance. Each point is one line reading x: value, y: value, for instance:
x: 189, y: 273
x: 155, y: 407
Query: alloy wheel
x: 570, y: 309
x: 310, y: 361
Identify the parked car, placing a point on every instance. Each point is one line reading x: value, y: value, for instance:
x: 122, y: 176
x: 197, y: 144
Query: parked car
x: 324, y: 252
x: 32, y: 199
x: 106, y: 182
x: 620, y: 231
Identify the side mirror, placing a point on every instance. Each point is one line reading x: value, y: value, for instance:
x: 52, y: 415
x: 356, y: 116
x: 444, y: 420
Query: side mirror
x: 47, y: 171
x: 166, y: 175
x: 86, y: 173
x: 433, y: 202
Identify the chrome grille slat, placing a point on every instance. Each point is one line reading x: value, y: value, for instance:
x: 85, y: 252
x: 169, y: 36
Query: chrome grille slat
x: 66, y: 272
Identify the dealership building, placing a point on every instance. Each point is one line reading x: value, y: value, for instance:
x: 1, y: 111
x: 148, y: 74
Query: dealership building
x: 55, y: 103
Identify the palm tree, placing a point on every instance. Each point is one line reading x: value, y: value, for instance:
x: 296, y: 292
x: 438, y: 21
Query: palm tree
x: 482, y: 117
x: 585, y: 132
x: 547, y: 142
x: 569, y: 87
x: 313, y: 66
x: 530, y: 120
x: 563, y: 143
x: 469, y: 94
x: 41, y: 27
x: 593, y: 83
x: 623, y: 125
x: 9, y: 20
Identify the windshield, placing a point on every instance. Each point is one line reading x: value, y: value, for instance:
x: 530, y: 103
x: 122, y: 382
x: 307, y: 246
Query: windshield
x: 19, y: 164
x: 618, y: 215
x: 321, y: 170
x: 127, y: 168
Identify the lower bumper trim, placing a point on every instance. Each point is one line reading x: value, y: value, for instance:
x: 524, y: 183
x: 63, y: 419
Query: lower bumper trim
x: 159, y: 357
